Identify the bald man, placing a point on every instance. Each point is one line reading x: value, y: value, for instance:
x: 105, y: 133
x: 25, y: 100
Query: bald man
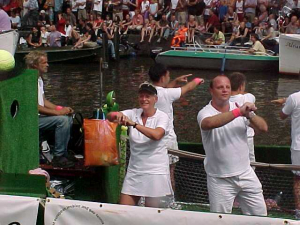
x: 223, y: 127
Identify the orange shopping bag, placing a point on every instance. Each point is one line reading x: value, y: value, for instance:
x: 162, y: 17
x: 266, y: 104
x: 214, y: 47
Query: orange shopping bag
x: 100, y: 143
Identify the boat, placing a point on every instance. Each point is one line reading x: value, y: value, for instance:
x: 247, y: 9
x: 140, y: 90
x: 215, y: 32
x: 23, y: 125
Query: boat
x: 214, y: 57
x: 9, y: 41
x: 289, y: 59
x: 63, y: 54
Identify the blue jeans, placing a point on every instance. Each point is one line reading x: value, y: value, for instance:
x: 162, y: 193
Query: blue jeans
x: 111, y: 47
x: 61, y: 125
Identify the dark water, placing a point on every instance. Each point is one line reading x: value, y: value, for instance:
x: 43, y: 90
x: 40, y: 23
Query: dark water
x: 78, y: 86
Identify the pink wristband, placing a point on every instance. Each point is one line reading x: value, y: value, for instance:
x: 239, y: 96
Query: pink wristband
x: 198, y: 80
x: 114, y: 114
x: 59, y: 107
x: 236, y: 112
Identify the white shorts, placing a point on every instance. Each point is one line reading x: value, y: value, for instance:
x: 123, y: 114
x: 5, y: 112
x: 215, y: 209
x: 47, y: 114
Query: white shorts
x: 147, y: 185
x: 295, y: 156
x: 245, y: 187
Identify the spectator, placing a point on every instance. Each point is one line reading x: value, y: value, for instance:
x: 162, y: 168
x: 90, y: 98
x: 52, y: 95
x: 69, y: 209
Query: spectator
x: 153, y: 9
x: 57, y: 8
x: 74, y: 8
x: 174, y: 25
x: 200, y: 7
x: 217, y: 38
x: 163, y: 28
x: 111, y: 47
x: 239, y: 9
x: 222, y: 10
x: 269, y: 41
x: 181, y: 11
x: 44, y: 36
x: 34, y: 39
x: 61, y: 22
x: 97, y: 8
x: 89, y: 38
x: 125, y: 24
x: 137, y: 21
x: 229, y: 20
x: 242, y: 36
x: 257, y: 46
x: 32, y: 15
x: 263, y: 15
x: 108, y: 21
x: 69, y: 16
x: 117, y: 9
x: 15, y: 20
x: 191, y: 7
x: 98, y: 22
x: 81, y: 27
x: 292, y: 26
x: 81, y: 4
x: 250, y: 9
x: 44, y: 18
x: 212, y: 22
x: 192, y: 24
x: 54, y: 39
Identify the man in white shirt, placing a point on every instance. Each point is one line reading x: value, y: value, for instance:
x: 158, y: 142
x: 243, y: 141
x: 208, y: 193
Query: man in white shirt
x: 81, y: 4
x: 291, y: 107
x: 98, y: 4
x: 223, y: 128
x: 238, y: 95
x: 167, y: 93
x: 51, y: 117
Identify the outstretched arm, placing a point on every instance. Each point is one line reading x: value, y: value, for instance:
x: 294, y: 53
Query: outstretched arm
x: 154, y: 134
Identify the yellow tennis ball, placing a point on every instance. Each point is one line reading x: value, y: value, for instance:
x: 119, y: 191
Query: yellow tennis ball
x: 7, y: 61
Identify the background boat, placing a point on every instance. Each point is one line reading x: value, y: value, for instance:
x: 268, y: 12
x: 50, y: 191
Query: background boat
x: 212, y: 58
x: 63, y: 54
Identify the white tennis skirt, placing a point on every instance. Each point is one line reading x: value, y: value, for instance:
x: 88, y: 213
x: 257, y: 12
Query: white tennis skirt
x: 147, y: 185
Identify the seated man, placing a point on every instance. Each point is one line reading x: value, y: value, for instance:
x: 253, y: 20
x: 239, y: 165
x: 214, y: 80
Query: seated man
x: 51, y: 117
x: 137, y: 21
x: 217, y: 38
x: 257, y: 47
x: 54, y: 38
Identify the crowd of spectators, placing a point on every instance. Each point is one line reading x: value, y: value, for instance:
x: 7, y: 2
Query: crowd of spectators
x: 83, y: 22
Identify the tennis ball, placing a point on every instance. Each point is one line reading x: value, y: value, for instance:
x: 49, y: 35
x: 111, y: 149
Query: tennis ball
x: 124, y: 128
x: 7, y: 61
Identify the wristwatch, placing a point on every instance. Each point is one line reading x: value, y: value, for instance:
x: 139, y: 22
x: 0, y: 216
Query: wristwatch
x: 135, y: 125
x: 251, y: 115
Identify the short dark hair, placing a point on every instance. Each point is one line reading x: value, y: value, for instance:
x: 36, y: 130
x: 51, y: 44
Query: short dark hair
x: 255, y: 36
x: 237, y: 80
x: 157, y: 71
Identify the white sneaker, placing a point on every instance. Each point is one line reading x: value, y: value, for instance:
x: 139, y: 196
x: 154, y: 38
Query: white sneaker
x: 45, y: 147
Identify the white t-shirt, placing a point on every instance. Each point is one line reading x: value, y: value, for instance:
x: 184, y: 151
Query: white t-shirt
x: 153, y: 7
x: 292, y: 108
x: 239, y: 7
x: 226, y: 148
x: 143, y: 6
x: 98, y: 7
x: 41, y: 92
x: 240, y: 100
x: 174, y: 4
x: 74, y: 8
x: 146, y: 155
x: 81, y: 6
x: 44, y: 37
x: 166, y: 97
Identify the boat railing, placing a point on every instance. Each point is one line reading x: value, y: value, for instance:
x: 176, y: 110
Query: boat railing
x: 196, y: 47
x: 200, y: 157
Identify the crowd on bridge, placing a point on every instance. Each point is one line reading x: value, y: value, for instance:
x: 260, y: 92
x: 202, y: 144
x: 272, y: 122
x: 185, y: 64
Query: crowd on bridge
x: 83, y: 22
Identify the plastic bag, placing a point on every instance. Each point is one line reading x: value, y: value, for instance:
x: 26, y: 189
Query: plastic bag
x: 100, y: 143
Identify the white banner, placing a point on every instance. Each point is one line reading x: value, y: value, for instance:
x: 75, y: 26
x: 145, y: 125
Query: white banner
x: 62, y: 212
x: 17, y: 210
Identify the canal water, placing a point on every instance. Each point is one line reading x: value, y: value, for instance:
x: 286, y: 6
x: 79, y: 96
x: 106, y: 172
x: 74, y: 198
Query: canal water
x: 78, y: 86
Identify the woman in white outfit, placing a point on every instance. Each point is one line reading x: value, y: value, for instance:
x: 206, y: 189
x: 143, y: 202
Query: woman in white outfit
x: 148, y: 170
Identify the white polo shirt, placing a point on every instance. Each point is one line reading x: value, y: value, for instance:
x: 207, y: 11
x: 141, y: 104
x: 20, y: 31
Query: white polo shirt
x: 166, y: 97
x: 292, y: 108
x: 41, y: 92
x: 240, y: 99
x: 226, y: 148
x: 98, y: 7
x: 148, y: 156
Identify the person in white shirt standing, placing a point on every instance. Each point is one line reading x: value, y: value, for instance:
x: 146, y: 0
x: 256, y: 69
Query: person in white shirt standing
x: 238, y: 95
x: 81, y: 4
x: 148, y: 170
x: 291, y: 107
x: 167, y: 93
x: 223, y: 128
x: 98, y: 4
